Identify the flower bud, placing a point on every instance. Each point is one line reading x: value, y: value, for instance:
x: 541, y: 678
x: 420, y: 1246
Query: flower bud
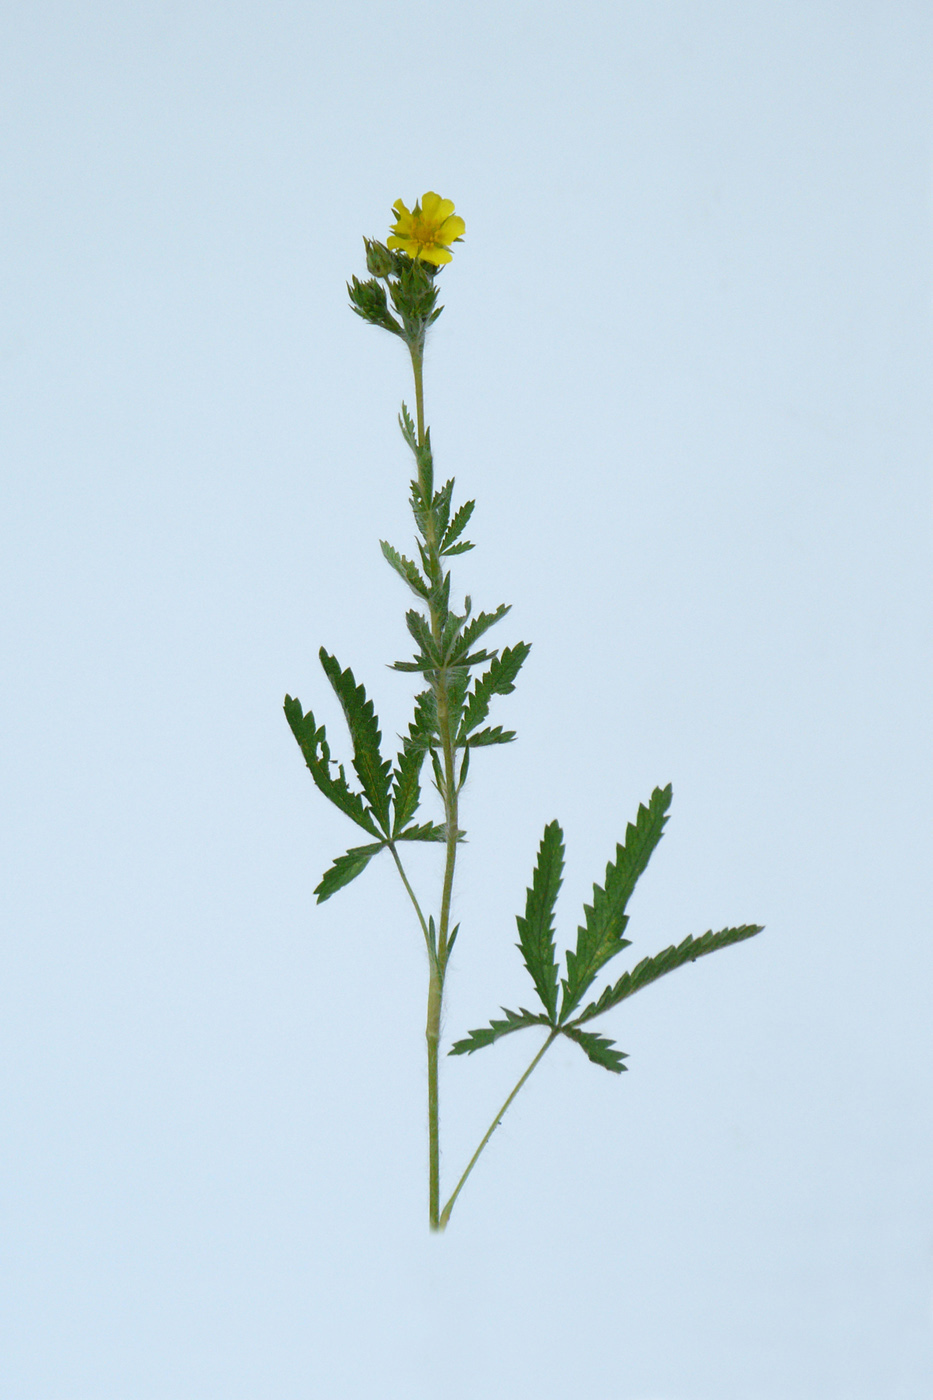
x: 378, y: 258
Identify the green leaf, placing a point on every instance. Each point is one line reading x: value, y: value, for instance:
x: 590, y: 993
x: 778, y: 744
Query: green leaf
x: 515, y: 1021
x: 441, y: 507
x: 650, y: 969
x: 498, y: 680
x: 456, y: 529
x: 481, y: 623
x: 430, y: 831
x: 408, y: 428
x: 600, y: 1049
x: 406, y: 785
x: 601, y: 936
x: 407, y: 569
x: 346, y: 868
x: 372, y: 771
x: 498, y: 735
x: 312, y: 740
x: 536, y: 928
x: 420, y: 629
x: 460, y: 548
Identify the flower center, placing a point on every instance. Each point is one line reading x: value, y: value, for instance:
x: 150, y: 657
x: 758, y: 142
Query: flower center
x: 423, y: 231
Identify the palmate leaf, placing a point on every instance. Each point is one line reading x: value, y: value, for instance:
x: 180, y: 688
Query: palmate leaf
x: 346, y: 868
x: 498, y: 680
x: 371, y: 770
x: 650, y: 969
x: 600, y: 1049
x: 600, y: 938
x: 312, y: 740
x: 515, y: 1021
x: 536, y: 928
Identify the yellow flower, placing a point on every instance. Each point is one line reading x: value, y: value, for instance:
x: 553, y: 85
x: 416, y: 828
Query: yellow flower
x: 428, y: 229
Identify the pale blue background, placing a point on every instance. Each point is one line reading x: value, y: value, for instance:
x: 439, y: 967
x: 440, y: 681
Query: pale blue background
x: 684, y: 369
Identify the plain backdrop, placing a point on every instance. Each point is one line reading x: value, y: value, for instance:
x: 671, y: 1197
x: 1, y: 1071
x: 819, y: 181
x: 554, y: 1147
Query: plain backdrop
x: 684, y: 369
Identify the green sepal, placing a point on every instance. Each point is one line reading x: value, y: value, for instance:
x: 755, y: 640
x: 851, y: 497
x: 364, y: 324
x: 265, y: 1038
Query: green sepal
x: 515, y: 1021
x: 312, y: 740
x: 456, y: 528
x: 599, y: 1048
x: 650, y: 969
x: 407, y: 569
x: 498, y: 680
x: 372, y: 771
x: 346, y: 868
x: 600, y: 937
x: 536, y: 927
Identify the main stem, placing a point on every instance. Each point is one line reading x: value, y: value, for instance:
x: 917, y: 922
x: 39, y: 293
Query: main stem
x: 438, y: 956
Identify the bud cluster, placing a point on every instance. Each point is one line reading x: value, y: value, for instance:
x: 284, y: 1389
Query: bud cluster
x: 409, y: 284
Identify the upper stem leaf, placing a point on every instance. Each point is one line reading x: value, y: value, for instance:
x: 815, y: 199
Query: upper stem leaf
x: 371, y: 770
x: 312, y: 740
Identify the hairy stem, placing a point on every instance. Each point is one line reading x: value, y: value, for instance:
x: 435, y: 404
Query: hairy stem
x: 451, y: 818
x: 412, y: 896
x: 445, y: 1214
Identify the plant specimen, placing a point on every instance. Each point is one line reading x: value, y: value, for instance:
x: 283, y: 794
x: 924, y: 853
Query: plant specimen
x: 459, y: 678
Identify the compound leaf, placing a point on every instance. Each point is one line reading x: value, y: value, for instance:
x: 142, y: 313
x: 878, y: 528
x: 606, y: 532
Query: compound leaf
x: 473, y: 630
x: 600, y: 938
x: 498, y: 680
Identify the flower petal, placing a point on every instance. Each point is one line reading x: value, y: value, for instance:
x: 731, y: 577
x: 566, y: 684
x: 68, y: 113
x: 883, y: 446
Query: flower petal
x: 452, y: 227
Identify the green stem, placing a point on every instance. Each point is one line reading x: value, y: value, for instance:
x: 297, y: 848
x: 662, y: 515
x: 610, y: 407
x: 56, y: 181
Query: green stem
x: 412, y: 896
x: 417, y: 364
x: 451, y: 815
x: 433, y: 1035
x: 445, y: 1214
